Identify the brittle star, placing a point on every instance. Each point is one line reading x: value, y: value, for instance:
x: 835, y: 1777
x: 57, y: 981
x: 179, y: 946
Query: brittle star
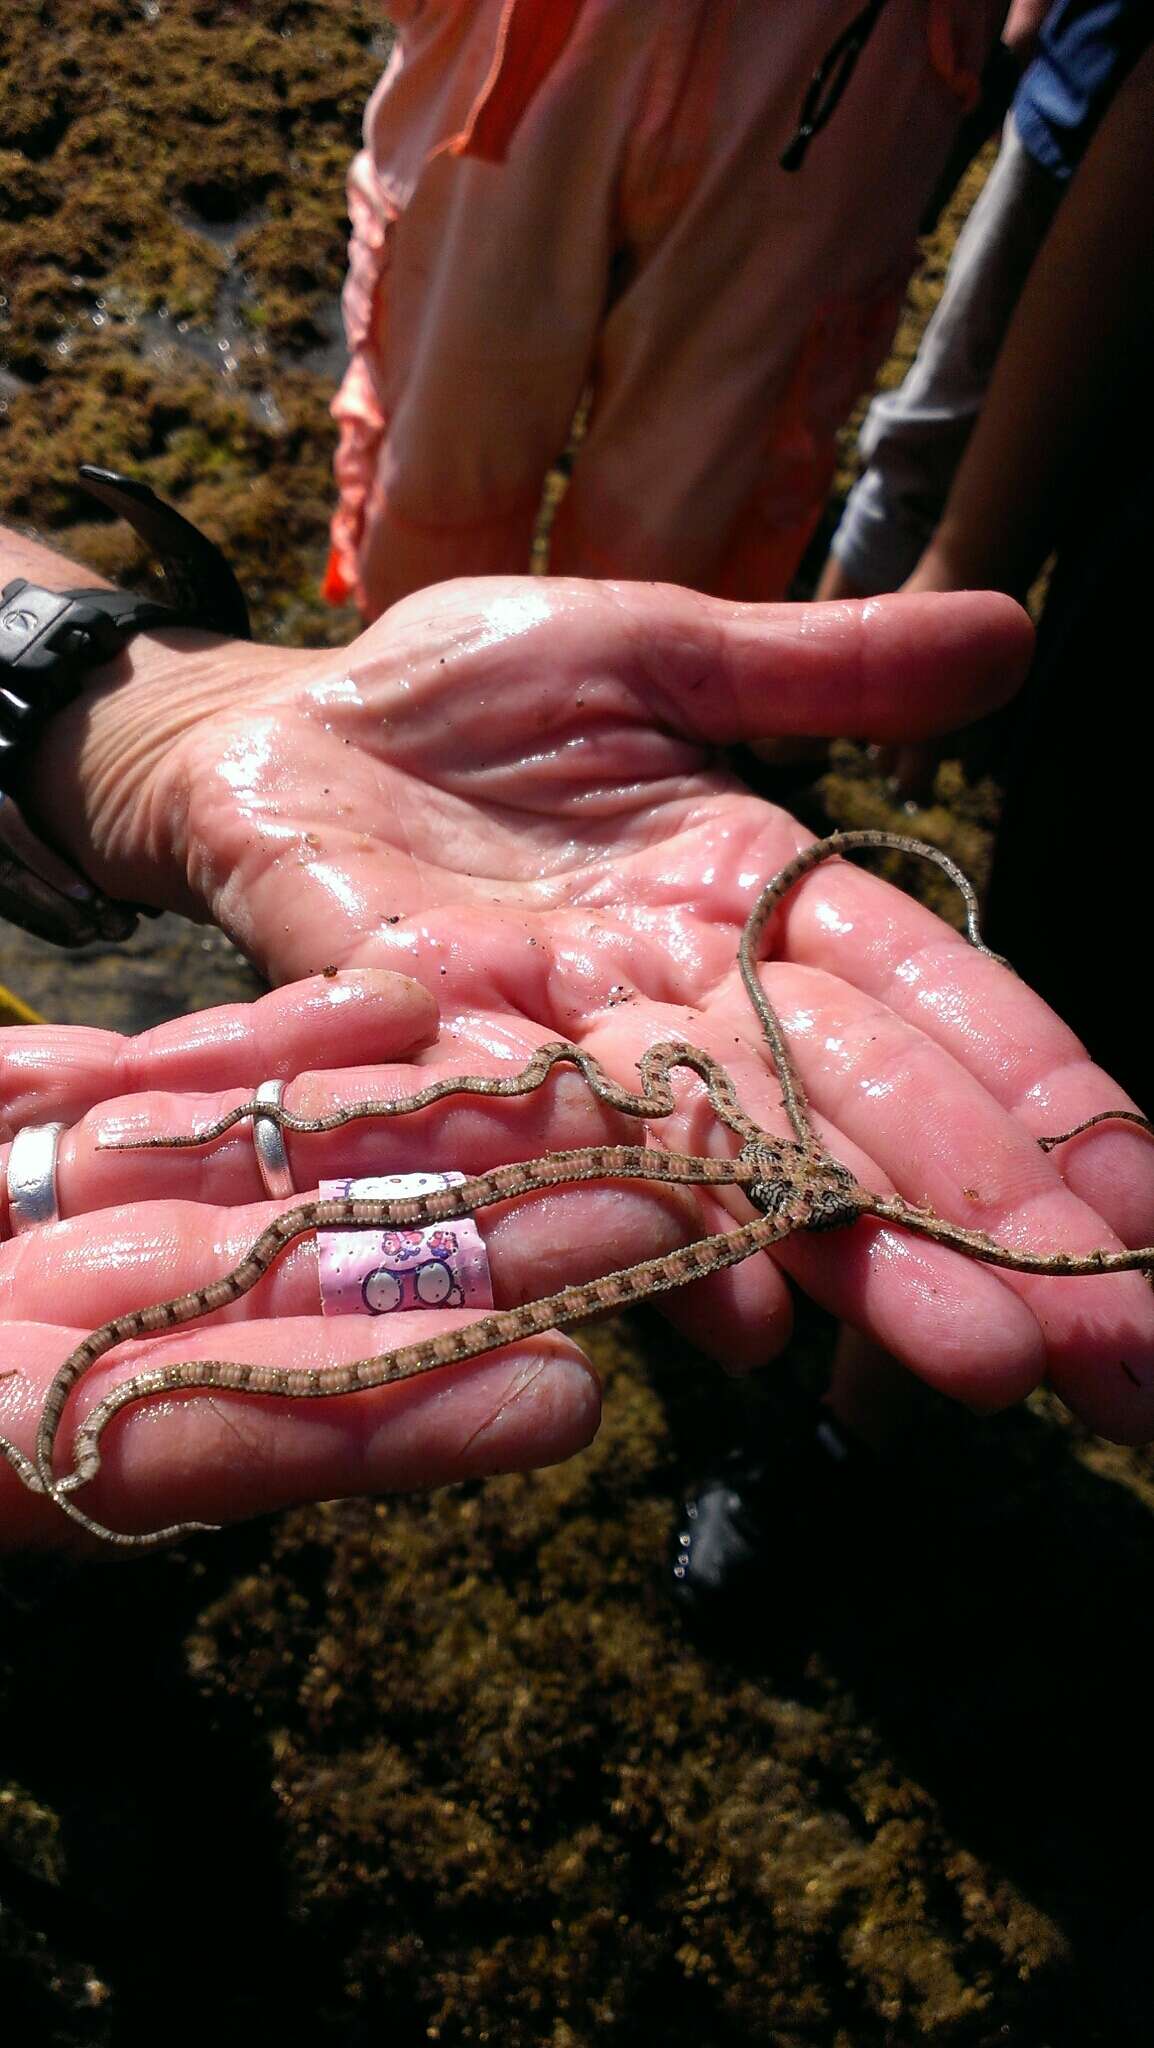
x: 794, y: 1184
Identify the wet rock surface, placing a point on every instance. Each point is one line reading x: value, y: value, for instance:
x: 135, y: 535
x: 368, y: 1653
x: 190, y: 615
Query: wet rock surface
x: 453, y: 1769
x: 172, y: 236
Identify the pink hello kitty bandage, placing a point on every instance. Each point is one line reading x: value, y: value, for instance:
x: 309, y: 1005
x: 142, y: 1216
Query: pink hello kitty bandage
x: 380, y: 1272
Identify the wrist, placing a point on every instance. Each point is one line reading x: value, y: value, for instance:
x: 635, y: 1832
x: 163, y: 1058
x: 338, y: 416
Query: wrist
x: 103, y: 690
x: 110, y: 779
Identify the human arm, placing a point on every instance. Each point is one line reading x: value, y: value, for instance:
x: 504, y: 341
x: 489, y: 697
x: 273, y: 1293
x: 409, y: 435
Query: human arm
x: 1081, y: 326
x: 1022, y: 23
x: 913, y: 438
x: 117, y: 776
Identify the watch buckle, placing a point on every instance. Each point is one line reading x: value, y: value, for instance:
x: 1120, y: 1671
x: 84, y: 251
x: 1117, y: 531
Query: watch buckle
x: 66, y: 910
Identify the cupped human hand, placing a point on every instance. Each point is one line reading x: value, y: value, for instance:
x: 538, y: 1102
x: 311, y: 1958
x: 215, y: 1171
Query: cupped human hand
x: 490, y: 749
x: 138, y: 1228
x: 511, y: 791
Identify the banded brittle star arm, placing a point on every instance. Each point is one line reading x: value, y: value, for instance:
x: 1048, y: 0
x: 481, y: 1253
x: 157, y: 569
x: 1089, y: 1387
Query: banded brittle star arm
x: 796, y: 1191
x: 785, y: 1178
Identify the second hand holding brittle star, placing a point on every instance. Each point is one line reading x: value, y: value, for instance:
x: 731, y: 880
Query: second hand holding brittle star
x: 795, y: 1183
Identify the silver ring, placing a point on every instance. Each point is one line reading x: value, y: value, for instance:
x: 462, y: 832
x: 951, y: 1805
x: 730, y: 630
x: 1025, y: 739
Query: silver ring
x: 32, y: 1177
x: 269, y: 1145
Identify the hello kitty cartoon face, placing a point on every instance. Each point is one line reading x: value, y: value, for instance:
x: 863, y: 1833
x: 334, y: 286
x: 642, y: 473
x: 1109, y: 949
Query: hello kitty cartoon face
x: 420, y: 1275
x: 399, y: 1246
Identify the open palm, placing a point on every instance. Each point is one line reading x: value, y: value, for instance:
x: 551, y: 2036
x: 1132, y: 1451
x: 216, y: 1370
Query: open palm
x: 509, y: 791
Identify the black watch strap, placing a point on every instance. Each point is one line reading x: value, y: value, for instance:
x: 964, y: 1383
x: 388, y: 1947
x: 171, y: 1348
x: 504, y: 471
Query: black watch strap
x: 49, y: 641
x: 198, y: 580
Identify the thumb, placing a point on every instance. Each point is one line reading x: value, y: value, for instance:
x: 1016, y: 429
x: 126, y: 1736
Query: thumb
x: 902, y: 667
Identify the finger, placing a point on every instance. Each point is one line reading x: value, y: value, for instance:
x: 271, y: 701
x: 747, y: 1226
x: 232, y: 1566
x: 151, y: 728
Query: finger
x: 962, y: 1326
x: 222, y: 1457
x: 58, y: 1071
x: 882, y: 668
x: 742, y: 1317
x: 886, y: 668
x: 853, y: 926
x: 900, y: 667
x: 948, y: 1319
x: 938, y: 1134
x: 118, y: 1260
x: 462, y: 1130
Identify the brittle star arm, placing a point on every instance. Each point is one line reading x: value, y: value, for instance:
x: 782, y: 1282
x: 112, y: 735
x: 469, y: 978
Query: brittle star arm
x: 806, y: 1198
x: 793, y: 1094
x: 604, y: 1162
x: 571, y: 1305
x: 654, y: 1099
x: 797, y: 1185
x: 794, y: 1098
